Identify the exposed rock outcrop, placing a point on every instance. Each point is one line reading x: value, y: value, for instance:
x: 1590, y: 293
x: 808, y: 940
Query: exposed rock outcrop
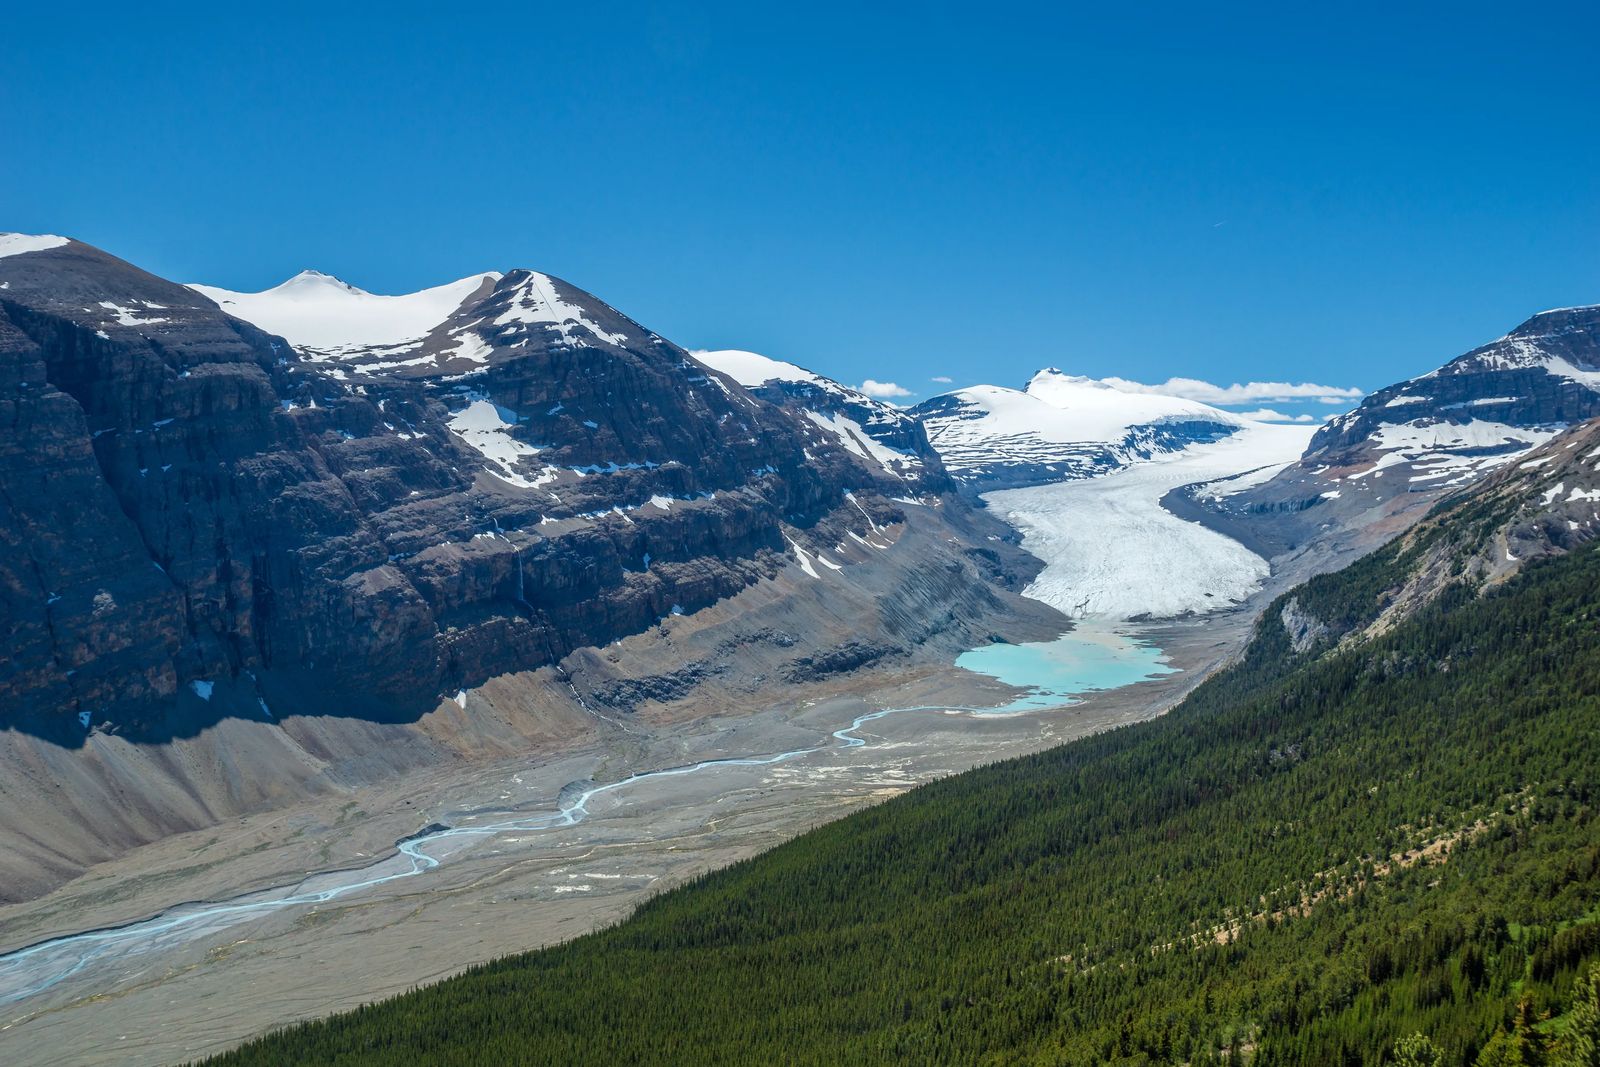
x: 1303, y: 628
x: 1545, y: 504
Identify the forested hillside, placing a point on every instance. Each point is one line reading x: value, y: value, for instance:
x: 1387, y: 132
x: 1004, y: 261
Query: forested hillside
x: 1319, y: 855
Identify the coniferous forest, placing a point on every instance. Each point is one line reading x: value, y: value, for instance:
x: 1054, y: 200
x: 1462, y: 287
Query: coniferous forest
x: 1378, y: 850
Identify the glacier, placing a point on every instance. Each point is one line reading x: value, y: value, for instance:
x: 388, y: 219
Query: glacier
x: 1112, y: 551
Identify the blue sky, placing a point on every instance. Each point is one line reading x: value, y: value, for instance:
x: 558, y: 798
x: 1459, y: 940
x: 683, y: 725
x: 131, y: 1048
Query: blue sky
x: 1345, y: 196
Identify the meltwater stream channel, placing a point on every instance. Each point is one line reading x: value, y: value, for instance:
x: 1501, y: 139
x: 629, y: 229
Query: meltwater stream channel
x: 1090, y: 658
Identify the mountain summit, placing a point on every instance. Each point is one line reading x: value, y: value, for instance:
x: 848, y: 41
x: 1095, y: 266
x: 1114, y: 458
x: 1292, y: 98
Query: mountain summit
x: 1060, y: 426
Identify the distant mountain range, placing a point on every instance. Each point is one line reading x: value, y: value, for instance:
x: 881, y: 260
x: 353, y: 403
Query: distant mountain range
x: 425, y: 436
x: 1438, y: 431
x: 1364, y: 477
x: 504, y: 468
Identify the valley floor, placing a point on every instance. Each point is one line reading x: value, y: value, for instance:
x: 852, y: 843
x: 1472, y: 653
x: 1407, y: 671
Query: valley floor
x: 515, y: 891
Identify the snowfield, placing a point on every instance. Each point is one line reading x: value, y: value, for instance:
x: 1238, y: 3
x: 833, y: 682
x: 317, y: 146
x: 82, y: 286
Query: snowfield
x: 320, y: 312
x: 752, y: 370
x: 1112, y: 551
x: 1099, y: 411
x: 1449, y: 454
x: 487, y: 428
x: 15, y: 244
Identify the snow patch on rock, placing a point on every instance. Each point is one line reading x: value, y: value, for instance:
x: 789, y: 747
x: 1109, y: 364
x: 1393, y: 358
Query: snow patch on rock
x: 536, y: 302
x: 486, y: 428
x: 855, y: 439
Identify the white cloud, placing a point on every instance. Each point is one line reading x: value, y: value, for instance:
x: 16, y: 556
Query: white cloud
x: 942, y: 379
x: 1248, y: 393
x: 883, y: 390
x: 1268, y: 415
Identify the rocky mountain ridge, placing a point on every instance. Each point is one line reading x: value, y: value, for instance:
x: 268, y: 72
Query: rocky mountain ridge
x: 1370, y: 473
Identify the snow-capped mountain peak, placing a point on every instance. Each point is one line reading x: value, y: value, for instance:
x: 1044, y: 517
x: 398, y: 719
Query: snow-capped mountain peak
x: 1478, y: 411
x: 1104, y: 409
x: 1405, y: 445
x: 313, y: 281
x: 528, y: 298
x: 1056, y: 374
x: 455, y: 328
x: 1061, y: 426
x: 753, y: 370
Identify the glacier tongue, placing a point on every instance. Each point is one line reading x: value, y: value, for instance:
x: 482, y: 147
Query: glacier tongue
x: 1111, y: 550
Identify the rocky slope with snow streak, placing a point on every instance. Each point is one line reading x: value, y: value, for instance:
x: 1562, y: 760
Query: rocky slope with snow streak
x: 872, y: 429
x: 1546, y: 503
x: 1060, y: 427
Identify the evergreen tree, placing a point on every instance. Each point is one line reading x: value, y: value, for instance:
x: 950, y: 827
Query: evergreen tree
x: 1580, y: 1044
x: 1520, y: 1045
x: 1417, y: 1051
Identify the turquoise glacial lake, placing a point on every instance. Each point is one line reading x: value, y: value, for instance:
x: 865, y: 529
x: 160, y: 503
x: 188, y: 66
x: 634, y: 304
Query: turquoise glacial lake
x: 1093, y: 657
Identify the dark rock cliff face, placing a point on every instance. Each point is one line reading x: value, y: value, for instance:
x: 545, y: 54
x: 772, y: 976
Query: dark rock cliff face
x: 186, y: 499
